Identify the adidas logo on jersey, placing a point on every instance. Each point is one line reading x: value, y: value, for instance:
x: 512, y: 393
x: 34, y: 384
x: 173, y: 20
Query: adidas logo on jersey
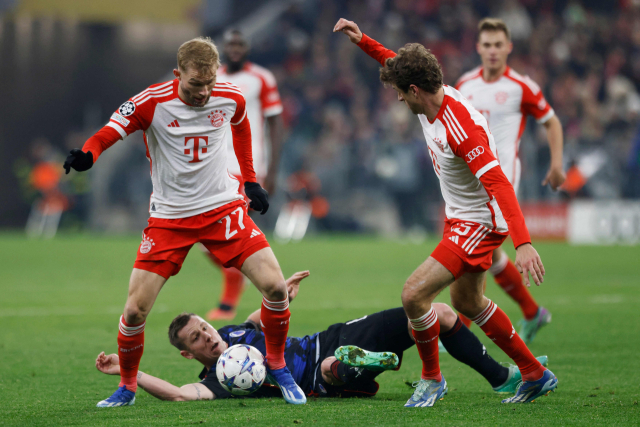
x: 174, y: 124
x: 454, y: 239
x: 254, y: 233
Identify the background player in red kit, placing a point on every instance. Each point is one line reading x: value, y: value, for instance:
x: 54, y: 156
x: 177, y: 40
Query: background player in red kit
x: 194, y: 199
x: 260, y: 91
x: 506, y: 98
x: 481, y: 209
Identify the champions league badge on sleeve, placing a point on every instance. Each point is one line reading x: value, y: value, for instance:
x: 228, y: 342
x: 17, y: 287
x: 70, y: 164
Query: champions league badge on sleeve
x: 127, y: 108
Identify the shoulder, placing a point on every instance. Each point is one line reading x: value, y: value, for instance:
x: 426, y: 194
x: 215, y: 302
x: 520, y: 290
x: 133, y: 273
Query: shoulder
x: 469, y: 75
x: 155, y: 94
x: 462, y: 116
x: 262, y: 73
x: 525, y: 82
x: 228, y: 90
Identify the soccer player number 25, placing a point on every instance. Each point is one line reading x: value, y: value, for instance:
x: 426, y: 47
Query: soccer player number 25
x: 227, y: 219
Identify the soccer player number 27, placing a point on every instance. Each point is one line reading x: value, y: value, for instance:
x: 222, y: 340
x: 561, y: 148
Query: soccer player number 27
x: 228, y: 233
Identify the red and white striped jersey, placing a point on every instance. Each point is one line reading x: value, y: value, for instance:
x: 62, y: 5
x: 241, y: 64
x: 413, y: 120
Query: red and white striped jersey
x: 263, y: 100
x: 506, y: 103
x: 186, y: 146
x: 462, y: 150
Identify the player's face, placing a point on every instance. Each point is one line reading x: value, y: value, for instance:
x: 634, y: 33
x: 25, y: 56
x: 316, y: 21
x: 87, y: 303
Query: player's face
x: 202, y: 340
x: 236, y: 49
x: 493, y: 48
x: 410, y: 99
x: 196, y: 85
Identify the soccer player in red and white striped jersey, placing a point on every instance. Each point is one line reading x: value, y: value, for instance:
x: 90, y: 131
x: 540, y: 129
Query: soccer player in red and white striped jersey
x: 194, y: 200
x: 481, y: 210
x: 506, y: 99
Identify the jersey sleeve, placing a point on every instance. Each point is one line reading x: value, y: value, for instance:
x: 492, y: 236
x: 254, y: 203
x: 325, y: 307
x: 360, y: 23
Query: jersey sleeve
x: 269, y: 95
x: 375, y: 50
x: 533, y: 101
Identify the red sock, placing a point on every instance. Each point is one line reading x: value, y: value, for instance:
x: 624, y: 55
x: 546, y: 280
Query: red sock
x: 274, y: 319
x: 495, y: 323
x: 232, y: 283
x: 425, y: 330
x: 465, y: 320
x: 130, y: 348
x: 509, y: 279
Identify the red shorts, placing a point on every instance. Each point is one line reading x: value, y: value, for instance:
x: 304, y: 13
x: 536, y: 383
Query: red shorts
x: 467, y: 247
x: 227, y: 232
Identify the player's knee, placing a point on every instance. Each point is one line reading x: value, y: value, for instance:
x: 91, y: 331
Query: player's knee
x: 446, y: 316
x: 274, y: 290
x: 468, y: 306
x: 135, y: 312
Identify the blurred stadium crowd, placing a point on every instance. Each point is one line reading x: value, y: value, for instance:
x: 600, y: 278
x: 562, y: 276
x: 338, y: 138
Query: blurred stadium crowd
x: 350, y: 142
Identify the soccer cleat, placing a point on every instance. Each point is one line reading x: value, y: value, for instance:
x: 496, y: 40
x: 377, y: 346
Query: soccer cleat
x: 529, y: 328
x: 515, y: 378
x: 530, y: 390
x: 360, y: 358
x: 122, y: 397
x: 217, y: 314
x: 427, y: 393
x: 290, y: 390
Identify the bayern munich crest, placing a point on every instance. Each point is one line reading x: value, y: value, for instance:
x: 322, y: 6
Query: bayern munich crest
x: 217, y: 118
x: 127, y: 108
x: 439, y: 144
x: 501, y: 97
x: 146, y: 245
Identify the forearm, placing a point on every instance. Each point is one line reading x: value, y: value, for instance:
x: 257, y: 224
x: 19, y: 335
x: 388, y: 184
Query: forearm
x: 242, y: 147
x: 158, y: 388
x: 554, y: 136
x: 101, y: 141
x: 499, y: 186
x: 375, y: 50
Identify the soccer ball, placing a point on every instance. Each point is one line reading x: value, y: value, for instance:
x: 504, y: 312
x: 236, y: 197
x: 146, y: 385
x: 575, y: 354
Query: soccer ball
x: 241, y: 369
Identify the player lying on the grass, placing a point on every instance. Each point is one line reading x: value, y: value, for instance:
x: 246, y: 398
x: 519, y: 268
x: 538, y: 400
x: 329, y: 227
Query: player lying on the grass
x: 481, y: 211
x: 185, y: 122
x: 312, y: 358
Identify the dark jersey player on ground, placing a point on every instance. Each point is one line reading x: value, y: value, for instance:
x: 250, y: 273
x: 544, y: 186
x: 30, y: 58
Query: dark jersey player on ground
x: 311, y: 358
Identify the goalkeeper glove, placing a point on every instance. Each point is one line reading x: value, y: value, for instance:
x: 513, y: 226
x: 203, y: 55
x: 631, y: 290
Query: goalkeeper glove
x: 79, y: 160
x: 258, y: 196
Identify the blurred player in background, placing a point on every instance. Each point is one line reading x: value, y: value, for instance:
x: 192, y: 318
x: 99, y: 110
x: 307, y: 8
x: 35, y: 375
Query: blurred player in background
x: 481, y: 209
x: 263, y: 102
x: 194, y: 200
x: 506, y: 99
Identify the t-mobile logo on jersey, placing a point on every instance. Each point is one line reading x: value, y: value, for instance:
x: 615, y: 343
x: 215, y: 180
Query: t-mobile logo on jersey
x: 196, y: 147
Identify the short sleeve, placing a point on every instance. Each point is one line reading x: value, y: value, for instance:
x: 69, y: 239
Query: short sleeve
x: 469, y: 140
x: 533, y: 101
x: 269, y: 95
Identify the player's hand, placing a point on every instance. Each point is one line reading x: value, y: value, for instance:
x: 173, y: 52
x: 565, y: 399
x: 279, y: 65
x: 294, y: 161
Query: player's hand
x: 79, y: 160
x: 258, y: 196
x: 350, y: 28
x: 555, y: 178
x: 293, y: 283
x: 109, y: 365
x: 528, y: 261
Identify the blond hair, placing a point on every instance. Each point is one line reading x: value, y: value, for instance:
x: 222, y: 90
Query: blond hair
x: 199, y: 53
x: 493, y: 24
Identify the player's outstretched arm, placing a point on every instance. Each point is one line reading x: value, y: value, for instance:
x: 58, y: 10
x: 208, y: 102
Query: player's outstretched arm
x: 555, y: 176
x: 293, y: 286
x: 109, y: 364
x: 371, y: 47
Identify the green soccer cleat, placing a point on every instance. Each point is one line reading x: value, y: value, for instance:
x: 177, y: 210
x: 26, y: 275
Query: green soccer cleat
x: 515, y: 378
x: 529, y: 328
x: 355, y: 356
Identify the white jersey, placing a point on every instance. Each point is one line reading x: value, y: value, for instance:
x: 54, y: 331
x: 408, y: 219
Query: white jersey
x: 186, y: 146
x: 263, y: 100
x: 505, y: 103
x: 462, y: 150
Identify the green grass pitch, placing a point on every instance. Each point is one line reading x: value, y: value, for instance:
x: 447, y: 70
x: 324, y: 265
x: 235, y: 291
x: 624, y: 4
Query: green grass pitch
x: 60, y: 301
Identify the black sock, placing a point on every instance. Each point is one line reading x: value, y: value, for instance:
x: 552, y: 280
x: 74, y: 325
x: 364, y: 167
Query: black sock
x: 465, y: 347
x: 346, y: 373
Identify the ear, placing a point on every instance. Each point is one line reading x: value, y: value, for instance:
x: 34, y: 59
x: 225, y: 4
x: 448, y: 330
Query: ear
x: 186, y: 354
x: 414, y: 90
x: 510, y: 47
x: 176, y: 73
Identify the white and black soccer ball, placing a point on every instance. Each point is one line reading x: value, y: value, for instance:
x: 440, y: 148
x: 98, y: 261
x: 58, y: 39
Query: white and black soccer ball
x: 241, y: 369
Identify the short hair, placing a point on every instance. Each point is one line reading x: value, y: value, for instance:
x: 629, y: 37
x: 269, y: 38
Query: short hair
x: 493, y: 24
x: 175, y: 327
x: 414, y: 65
x: 199, y: 53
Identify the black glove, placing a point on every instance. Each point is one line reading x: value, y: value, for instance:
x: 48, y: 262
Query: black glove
x: 258, y: 196
x: 79, y: 160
